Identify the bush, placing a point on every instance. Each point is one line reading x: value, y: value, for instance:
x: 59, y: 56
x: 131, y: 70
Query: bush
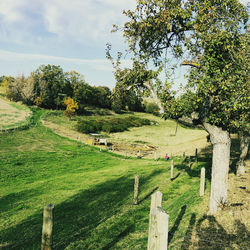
x: 152, y: 108
x: 111, y: 124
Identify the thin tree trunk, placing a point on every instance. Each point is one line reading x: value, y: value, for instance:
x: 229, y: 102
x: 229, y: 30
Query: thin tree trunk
x: 240, y: 165
x: 221, y: 142
x: 176, y: 128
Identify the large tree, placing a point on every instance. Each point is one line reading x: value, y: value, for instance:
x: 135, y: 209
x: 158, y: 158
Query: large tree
x: 208, y: 32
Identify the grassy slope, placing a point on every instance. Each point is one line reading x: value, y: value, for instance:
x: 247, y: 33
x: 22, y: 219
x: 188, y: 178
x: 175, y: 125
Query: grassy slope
x: 17, y: 116
x: 160, y: 135
x: 92, y: 192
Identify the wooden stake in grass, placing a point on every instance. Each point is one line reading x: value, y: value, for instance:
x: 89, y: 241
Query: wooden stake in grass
x: 47, y: 227
x: 172, y: 170
x: 202, y: 182
x: 156, y: 199
x: 184, y: 155
x: 136, y: 190
x: 196, y: 155
x: 158, y: 230
x: 155, y: 155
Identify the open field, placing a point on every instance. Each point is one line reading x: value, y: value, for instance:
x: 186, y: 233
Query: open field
x: 93, y: 193
x: 12, y: 114
x: 160, y: 136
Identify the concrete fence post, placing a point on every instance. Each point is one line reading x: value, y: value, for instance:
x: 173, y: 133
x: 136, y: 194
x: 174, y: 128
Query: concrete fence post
x: 202, y: 182
x: 172, y: 170
x: 47, y: 228
x: 136, y: 190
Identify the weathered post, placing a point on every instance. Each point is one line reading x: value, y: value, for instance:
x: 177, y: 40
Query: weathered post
x: 184, y: 155
x: 100, y: 149
x: 47, y: 227
x: 155, y: 155
x: 172, y: 169
x: 202, y: 182
x: 136, y: 190
x: 156, y: 199
x: 196, y: 155
x: 158, y: 229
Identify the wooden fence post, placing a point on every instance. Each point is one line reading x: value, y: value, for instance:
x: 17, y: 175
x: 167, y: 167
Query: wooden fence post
x: 47, y: 227
x: 172, y: 169
x: 136, y: 190
x: 202, y: 182
x: 156, y: 199
x: 184, y: 155
x: 155, y: 155
x: 196, y: 155
x: 158, y: 230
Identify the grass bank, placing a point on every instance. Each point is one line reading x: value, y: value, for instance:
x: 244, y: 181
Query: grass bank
x: 92, y: 192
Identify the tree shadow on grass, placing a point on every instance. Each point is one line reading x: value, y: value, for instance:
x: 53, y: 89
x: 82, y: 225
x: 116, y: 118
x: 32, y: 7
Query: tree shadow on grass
x: 79, y: 216
x: 209, y: 234
x: 17, y: 200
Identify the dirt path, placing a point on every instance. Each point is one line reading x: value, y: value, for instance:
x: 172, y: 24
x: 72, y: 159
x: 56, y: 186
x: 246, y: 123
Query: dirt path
x: 12, y: 115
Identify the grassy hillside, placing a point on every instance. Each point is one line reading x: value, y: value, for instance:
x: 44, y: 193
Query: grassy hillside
x: 13, y: 115
x: 161, y: 136
x: 92, y: 192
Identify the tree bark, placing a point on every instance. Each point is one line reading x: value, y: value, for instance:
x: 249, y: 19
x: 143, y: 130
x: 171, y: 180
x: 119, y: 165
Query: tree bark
x: 154, y: 96
x: 240, y: 165
x: 176, y: 127
x: 221, y: 142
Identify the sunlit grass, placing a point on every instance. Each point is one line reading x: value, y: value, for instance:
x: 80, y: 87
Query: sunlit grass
x: 92, y: 192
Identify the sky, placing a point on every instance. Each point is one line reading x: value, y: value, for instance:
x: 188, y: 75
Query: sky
x: 69, y: 33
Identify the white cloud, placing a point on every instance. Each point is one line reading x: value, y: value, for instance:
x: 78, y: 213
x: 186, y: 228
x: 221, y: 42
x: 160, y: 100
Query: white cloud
x: 97, y: 64
x: 85, y: 21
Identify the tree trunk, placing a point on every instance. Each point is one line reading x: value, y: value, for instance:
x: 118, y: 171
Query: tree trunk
x: 240, y: 165
x: 154, y: 96
x: 176, y: 128
x: 221, y: 142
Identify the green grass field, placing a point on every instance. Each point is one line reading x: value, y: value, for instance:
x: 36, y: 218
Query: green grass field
x: 92, y: 192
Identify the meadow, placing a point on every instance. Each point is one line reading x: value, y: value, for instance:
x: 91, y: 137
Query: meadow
x: 92, y: 192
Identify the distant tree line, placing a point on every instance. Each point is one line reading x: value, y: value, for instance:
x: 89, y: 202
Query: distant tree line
x: 49, y: 86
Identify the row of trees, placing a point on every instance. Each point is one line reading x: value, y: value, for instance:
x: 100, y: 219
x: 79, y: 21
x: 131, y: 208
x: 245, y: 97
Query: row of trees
x: 49, y: 87
x: 212, y: 37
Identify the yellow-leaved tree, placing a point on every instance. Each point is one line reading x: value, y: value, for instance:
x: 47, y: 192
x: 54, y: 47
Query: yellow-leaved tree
x: 71, y: 107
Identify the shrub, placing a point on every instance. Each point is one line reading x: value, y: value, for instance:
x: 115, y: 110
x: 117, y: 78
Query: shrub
x: 152, y: 108
x: 111, y: 124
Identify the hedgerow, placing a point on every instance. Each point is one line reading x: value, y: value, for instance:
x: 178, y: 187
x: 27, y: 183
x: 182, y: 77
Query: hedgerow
x: 110, y: 124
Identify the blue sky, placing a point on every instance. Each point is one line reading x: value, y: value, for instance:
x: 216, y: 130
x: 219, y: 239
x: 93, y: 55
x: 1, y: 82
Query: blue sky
x: 69, y: 33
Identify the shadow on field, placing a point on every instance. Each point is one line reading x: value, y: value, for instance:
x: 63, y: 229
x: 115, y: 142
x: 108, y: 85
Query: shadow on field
x: 17, y: 200
x: 176, y: 223
x: 93, y: 219
x: 209, y: 234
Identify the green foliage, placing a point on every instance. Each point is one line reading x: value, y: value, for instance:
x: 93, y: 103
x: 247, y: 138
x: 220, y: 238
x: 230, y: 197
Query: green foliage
x: 152, y: 108
x: 110, y: 124
x: 51, y: 86
x: 212, y: 32
x: 123, y: 97
x: 48, y: 86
